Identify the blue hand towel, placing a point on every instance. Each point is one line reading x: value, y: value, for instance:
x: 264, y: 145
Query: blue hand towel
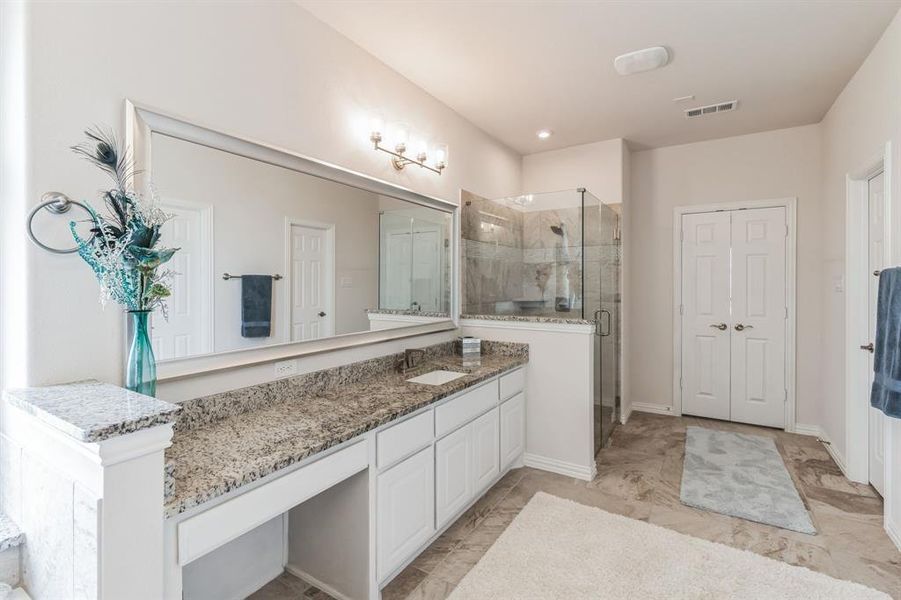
x: 256, y: 306
x: 886, y: 392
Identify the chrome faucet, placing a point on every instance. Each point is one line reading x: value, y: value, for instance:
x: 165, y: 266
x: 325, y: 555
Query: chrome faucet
x: 411, y: 359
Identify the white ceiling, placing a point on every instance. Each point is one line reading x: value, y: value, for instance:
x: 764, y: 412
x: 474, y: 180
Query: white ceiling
x: 513, y: 67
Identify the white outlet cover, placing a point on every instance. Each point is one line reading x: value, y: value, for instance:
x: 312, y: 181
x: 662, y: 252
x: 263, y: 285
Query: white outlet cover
x: 286, y: 368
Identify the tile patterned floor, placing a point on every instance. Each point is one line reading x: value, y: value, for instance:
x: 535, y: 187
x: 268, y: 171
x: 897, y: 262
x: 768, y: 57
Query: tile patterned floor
x: 639, y: 477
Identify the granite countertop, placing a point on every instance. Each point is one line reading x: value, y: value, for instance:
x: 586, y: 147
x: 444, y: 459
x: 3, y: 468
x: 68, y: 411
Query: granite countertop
x: 407, y: 313
x: 214, y: 458
x: 531, y: 319
x: 91, y: 411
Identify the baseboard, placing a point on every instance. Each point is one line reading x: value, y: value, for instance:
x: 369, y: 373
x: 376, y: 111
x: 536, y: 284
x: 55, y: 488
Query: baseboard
x: 893, y: 531
x: 812, y: 430
x: 315, y: 582
x: 835, y: 454
x: 559, y: 467
x: 656, y: 409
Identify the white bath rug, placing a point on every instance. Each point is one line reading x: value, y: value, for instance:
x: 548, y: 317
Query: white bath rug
x: 557, y: 548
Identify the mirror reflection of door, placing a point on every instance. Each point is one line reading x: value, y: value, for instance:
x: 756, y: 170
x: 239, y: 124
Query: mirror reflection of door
x: 876, y: 230
x: 188, y: 330
x: 411, y: 263
x: 312, y: 282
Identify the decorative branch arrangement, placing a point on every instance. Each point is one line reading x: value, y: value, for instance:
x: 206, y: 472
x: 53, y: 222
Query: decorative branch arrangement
x: 122, y: 248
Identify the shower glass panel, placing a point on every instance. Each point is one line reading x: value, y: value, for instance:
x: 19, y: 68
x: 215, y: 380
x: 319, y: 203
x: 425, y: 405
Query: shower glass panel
x: 603, y: 260
x: 550, y: 255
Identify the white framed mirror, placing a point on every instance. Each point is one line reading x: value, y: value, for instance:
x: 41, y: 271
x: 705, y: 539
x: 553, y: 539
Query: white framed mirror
x: 282, y: 255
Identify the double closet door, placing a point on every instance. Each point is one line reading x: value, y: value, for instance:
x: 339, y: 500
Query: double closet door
x: 734, y: 315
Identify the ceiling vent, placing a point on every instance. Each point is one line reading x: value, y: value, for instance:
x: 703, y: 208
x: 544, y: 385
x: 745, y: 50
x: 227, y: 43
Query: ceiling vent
x: 710, y: 109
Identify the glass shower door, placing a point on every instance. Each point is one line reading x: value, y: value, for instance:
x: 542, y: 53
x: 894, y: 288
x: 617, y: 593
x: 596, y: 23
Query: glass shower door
x: 603, y: 263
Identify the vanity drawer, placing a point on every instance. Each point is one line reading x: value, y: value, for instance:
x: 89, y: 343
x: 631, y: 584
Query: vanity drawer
x: 464, y: 408
x: 513, y: 383
x: 404, y: 438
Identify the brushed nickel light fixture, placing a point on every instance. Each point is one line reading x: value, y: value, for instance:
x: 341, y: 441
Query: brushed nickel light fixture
x: 398, y: 134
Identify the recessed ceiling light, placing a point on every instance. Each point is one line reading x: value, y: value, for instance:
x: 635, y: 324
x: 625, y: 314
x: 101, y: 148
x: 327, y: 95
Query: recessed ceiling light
x: 544, y: 134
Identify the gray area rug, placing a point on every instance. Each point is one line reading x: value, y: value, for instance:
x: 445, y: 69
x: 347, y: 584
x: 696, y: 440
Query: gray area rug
x: 743, y: 476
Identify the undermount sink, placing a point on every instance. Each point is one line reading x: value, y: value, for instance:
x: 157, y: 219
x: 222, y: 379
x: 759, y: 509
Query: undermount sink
x: 437, y: 377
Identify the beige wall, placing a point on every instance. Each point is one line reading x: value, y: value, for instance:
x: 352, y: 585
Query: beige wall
x: 865, y: 116
x: 774, y: 164
x: 267, y: 71
x: 597, y: 167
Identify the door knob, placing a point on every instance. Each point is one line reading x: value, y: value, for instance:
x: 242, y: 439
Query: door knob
x: 321, y: 314
x: 721, y: 326
x: 868, y: 347
x: 741, y: 327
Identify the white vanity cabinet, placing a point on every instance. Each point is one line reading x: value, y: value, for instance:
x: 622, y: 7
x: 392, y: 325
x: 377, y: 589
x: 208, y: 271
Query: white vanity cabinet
x: 453, y: 474
x: 406, y: 509
x: 472, y: 439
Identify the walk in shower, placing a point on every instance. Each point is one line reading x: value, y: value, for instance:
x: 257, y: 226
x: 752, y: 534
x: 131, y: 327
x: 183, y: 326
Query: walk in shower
x: 555, y: 254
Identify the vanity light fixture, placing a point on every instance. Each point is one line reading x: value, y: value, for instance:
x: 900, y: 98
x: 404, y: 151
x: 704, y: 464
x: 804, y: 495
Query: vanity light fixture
x: 399, y: 136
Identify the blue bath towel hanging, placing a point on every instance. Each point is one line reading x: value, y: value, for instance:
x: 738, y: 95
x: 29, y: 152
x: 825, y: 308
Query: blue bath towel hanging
x: 886, y: 392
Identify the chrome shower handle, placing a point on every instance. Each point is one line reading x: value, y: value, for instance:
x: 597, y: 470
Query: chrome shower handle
x: 720, y: 326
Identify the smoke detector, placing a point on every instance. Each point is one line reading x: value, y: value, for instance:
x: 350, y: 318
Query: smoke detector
x: 641, y: 60
x: 710, y: 109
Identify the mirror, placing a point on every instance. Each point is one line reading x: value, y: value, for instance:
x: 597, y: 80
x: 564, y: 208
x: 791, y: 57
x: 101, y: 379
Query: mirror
x: 334, y: 258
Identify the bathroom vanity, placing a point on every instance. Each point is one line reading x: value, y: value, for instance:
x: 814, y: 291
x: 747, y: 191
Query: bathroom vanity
x: 357, y: 468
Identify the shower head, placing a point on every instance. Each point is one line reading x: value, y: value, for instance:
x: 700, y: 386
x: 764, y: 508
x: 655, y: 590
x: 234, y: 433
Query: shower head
x: 557, y: 229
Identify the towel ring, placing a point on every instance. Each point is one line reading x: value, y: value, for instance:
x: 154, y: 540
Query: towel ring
x: 58, y: 204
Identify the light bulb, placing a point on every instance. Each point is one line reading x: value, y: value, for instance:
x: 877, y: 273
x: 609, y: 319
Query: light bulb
x: 376, y: 129
x: 440, y: 154
x: 420, y: 149
x: 400, y: 135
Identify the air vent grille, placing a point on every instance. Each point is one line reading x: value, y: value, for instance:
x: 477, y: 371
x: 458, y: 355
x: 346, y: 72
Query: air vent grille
x: 710, y: 109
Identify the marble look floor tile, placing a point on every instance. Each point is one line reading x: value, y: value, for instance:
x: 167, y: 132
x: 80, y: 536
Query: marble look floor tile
x: 432, y: 588
x: 639, y: 476
x: 404, y: 584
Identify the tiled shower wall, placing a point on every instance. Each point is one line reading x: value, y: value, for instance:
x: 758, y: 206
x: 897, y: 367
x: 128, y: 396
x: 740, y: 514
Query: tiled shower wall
x: 510, y: 254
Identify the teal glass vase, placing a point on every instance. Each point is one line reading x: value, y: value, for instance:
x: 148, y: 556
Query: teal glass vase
x: 141, y: 370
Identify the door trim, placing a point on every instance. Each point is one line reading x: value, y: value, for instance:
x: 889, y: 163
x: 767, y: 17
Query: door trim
x: 857, y: 430
x: 790, y: 206
x: 331, y: 285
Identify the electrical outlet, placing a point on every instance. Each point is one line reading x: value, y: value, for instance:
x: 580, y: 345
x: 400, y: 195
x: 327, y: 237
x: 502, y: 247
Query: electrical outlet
x: 286, y: 368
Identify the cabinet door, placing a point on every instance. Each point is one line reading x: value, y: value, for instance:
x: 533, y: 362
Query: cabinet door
x: 406, y: 509
x: 513, y: 429
x: 485, y: 450
x: 453, y: 473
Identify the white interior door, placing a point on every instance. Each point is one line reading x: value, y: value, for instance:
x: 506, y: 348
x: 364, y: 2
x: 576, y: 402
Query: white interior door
x: 759, y: 316
x: 705, y: 314
x: 876, y: 220
x: 426, y: 291
x: 187, y: 331
x: 312, y: 283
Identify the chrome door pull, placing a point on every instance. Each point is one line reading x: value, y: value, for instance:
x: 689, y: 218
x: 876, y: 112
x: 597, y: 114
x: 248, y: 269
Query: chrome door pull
x: 869, y: 347
x: 721, y: 327
x: 741, y: 327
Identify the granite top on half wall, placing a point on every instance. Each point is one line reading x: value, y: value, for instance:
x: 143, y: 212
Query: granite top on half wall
x: 91, y: 411
x: 406, y: 312
x: 226, y: 441
x: 531, y: 319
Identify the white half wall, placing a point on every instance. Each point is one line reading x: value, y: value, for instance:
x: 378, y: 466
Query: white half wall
x: 267, y: 71
x: 559, y: 388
